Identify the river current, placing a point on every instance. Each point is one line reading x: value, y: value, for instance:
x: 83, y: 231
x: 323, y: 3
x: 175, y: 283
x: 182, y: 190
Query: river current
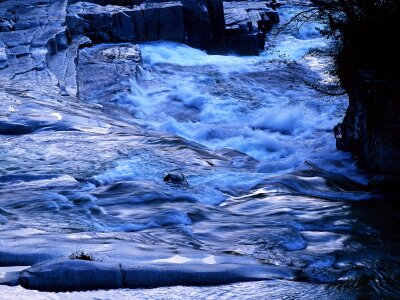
x: 265, y: 183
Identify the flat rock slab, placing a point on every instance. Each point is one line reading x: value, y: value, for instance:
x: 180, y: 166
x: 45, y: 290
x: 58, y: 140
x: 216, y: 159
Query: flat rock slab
x: 105, y: 70
x: 78, y: 275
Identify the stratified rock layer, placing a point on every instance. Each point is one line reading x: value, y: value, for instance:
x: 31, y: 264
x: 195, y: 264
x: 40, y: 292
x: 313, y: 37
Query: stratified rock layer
x: 247, y: 24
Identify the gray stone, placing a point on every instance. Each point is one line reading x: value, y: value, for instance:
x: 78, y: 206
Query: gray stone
x: 71, y: 275
x: 163, y: 21
x: 247, y: 24
x: 217, y: 19
x: 244, y: 43
x: 147, y: 22
x: 197, y: 23
x: 101, y: 24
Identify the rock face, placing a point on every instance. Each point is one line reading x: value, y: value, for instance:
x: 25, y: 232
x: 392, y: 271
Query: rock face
x: 196, y: 22
x: 247, y: 24
x: 199, y: 23
x: 371, y: 127
x: 146, y: 22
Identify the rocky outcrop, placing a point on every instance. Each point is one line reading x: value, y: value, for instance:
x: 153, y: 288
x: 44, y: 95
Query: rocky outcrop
x: 247, y: 24
x: 199, y: 23
x: 146, y: 22
x: 371, y: 127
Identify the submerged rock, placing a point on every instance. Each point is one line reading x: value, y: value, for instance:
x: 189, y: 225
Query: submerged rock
x: 14, y: 128
x: 179, y: 179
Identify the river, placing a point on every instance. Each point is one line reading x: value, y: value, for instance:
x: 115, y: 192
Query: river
x: 265, y: 183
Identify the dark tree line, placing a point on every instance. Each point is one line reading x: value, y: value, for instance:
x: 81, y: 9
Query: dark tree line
x: 367, y: 34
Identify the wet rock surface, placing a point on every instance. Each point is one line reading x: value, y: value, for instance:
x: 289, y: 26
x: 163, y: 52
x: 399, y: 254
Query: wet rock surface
x: 111, y: 23
x: 370, y: 128
x: 78, y: 275
x: 105, y: 70
x: 247, y: 24
x: 71, y: 275
x: 176, y: 178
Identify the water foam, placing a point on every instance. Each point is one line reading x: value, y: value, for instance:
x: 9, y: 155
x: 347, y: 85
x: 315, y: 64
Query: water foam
x: 256, y: 105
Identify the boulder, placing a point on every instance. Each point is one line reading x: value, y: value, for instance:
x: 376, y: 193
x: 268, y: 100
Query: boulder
x: 244, y: 43
x: 71, y: 275
x: 247, y: 24
x: 9, y: 278
x: 217, y: 20
x: 78, y: 275
x: 174, y: 178
x: 199, y: 23
x: 9, y: 128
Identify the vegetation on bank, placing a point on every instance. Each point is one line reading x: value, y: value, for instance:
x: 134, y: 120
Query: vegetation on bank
x: 365, y: 34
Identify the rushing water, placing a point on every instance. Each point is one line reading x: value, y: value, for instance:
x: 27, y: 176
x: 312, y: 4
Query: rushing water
x: 265, y: 182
